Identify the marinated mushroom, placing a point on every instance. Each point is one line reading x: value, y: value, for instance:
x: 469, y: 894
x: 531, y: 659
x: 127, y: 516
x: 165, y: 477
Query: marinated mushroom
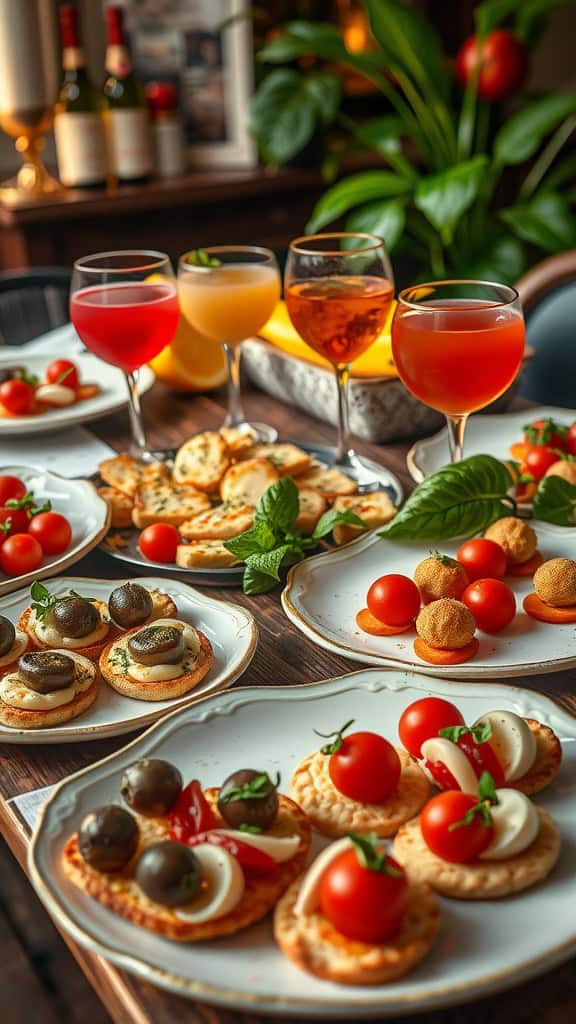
x: 151, y: 786
x: 157, y: 645
x: 169, y: 873
x: 74, y: 617
x: 11, y: 372
x: 249, y: 798
x: 130, y: 605
x: 7, y: 635
x: 46, y: 671
x: 108, y: 838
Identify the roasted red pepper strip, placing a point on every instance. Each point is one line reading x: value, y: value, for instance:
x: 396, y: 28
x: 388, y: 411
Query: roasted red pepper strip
x: 251, y: 860
x: 191, y: 813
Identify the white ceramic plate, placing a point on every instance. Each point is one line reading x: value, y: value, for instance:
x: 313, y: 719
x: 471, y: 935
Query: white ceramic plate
x: 231, y: 630
x: 113, y: 392
x: 323, y: 594
x: 481, y: 948
x: 493, y: 434
x: 79, y: 501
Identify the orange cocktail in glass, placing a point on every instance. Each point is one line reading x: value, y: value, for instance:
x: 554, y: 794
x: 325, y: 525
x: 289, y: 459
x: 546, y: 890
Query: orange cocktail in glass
x: 458, y: 345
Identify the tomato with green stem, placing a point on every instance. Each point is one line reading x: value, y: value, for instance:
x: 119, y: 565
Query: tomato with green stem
x: 363, y: 765
x: 457, y: 826
x: 364, y: 892
x: 538, y: 459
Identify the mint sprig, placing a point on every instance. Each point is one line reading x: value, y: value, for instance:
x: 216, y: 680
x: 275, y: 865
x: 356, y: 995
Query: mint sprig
x: 257, y: 788
x: 200, y: 258
x: 487, y: 798
x: 273, y: 540
x: 480, y: 733
x: 43, y: 601
x: 371, y: 854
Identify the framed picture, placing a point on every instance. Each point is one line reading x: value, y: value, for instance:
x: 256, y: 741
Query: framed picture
x: 204, y: 47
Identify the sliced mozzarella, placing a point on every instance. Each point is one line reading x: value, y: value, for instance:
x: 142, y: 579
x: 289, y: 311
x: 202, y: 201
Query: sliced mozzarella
x: 222, y: 886
x: 512, y: 741
x: 55, y: 394
x: 516, y: 825
x: 309, y: 894
x: 440, y: 749
x: 281, y: 848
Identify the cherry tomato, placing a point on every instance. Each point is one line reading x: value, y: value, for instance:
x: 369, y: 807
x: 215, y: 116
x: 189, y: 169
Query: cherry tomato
x: 17, y: 397
x: 365, y: 767
x: 363, y: 904
x: 538, y: 459
x: 423, y: 719
x: 503, y: 64
x: 13, y: 520
x: 571, y: 440
x: 62, y: 371
x: 462, y: 844
x: 545, y: 432
x: 191, y: 813
x: 52, y: 531
x: 482, y: 558
x: 159, y: 542
x: 394, y: 599
x: 492, y: 604
x: 11, y: 489
x: 481, y: 757
x: 19, y: 554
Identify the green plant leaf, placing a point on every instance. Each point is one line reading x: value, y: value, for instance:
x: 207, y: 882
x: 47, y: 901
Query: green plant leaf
x: 545, y: 221
x: 315, y: 38
x: 287, y: 108
x: 333, y: 518
x: 458, y: 500
x: 357, y: 189
x: 444, y: 197
x: 501, y: 259
x: 260, y: 537
x: 562, y: 171
x: 408, y: 39
x: 529, y: 20
x: 492, y: 13
x: 555, y: 501
x: 255, y: 582
x: 279, y: 505
x: 382, y: 134
x: 269, y: 562
x: 522, y: 134
x: 385, y: 218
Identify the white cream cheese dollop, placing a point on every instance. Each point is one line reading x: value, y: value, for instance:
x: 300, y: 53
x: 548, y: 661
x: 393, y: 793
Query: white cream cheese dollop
x: 441, y: 749
x: 122, y: 661
x: 222, y: 886
x: 55, y: 394
x: 515, y: 823
x: 50, y: 636
x: 280, y: 848
x: 309, y: 895
x: 15, y: 693
x: 18, y: 647
x: 513, y: 743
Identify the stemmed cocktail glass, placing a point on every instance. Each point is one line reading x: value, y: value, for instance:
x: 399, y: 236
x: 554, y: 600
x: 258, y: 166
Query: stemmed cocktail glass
x: 458, y: 346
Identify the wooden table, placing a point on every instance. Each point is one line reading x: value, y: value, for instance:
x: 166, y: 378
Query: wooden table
x: 283, y: 656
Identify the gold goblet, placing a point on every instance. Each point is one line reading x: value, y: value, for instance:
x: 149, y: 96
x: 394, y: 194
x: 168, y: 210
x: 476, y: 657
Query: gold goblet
x: 33, y: 180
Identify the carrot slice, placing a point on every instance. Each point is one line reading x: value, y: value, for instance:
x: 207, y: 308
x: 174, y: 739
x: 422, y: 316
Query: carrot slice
x: 526, y: 568
x: 87, y: 391
x: 537, y: 609
x: 440, y: 656
x: 368, y: 623
x: 518, y: 451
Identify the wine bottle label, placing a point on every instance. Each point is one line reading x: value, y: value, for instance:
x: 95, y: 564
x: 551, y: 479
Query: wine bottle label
x: 80, y: 147
x: 169, y: 146
x: 118, y: 62
x: 73, y: 58
x: 129, y: 143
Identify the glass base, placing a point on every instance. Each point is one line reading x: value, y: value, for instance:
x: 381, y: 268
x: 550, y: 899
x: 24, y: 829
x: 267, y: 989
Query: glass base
x: 355, y: 467
x: 265, y: 434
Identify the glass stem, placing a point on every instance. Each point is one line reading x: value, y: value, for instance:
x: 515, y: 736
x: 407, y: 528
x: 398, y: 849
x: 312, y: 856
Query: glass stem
x: 343, y: 446
x: 235, y: 415
x: 136, y: 420
x: 456, y: 427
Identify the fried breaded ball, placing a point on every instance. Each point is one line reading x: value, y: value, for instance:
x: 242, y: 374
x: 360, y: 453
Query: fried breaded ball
x: 555, y: 582
x: 563, y: 468
x: 440, y: 576
x: 516, y: 538
x: 446, y: 623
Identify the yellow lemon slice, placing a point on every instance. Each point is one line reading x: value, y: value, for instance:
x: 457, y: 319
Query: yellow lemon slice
x: 191, y: 362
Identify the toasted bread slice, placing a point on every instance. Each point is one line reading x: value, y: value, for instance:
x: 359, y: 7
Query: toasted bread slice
x: 122, y: 473
x: 114, y: 662
x: 238, y: 441
x: 121, y: 894
x: 205, y: 554
x: 85, y: 691
x: 247, y: 481
x: 312, y: 506
x: 160, y: 502
x: 375, y: 509
x: 202, y: 461
x: 120, y: 507
x: 219, y: 523
x: 107, y: 631
x: 287, y: 458
x: 330, y: 482
x: 312, y: 943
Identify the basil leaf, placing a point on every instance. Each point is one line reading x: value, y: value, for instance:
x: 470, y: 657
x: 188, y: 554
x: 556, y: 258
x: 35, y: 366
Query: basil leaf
x: 279, y: 505
x: 39, y: 592
x: 260, y: 537
x: 458, y: 500
x: 333, y: 518
x: 555, y: 501
x: 256, y: 582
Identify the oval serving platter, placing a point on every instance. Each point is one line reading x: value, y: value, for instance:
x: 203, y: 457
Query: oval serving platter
x: 230, y: 628
x: 481, y: 947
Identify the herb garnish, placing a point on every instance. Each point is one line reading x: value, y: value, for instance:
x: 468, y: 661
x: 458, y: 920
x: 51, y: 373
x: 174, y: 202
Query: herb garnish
x: 334, y: 746
x: 201, y: 258
x: 487, y: 799
x: 257, y: 788
x: 480, y: 733
x: 43, y: 601
x: 372, y: 855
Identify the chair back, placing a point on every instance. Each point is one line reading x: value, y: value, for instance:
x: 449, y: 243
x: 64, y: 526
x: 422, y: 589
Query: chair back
x: 548, y: 295
x: 32, y: 302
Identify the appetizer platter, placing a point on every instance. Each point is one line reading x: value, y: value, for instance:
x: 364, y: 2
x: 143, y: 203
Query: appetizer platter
x: 451, y: 616
x: 39, y: 394
x: 47, y: 523
x: 417, y: 795
x: 84, y: 659
x: 181, y: 515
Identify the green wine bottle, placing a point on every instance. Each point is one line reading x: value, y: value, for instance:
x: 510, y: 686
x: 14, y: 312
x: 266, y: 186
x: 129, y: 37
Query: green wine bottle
x: 78, y: 122
x: 126, y: 115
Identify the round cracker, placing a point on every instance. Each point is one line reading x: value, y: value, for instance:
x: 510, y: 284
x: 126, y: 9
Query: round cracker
x: 92, y: 652
x: 163, y: 689
x: 312, y: 943
x: 546, y: 763
x: 335, y: 815
x: 120, y: 893
x: 24, y: 718
x: 481, y: 880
